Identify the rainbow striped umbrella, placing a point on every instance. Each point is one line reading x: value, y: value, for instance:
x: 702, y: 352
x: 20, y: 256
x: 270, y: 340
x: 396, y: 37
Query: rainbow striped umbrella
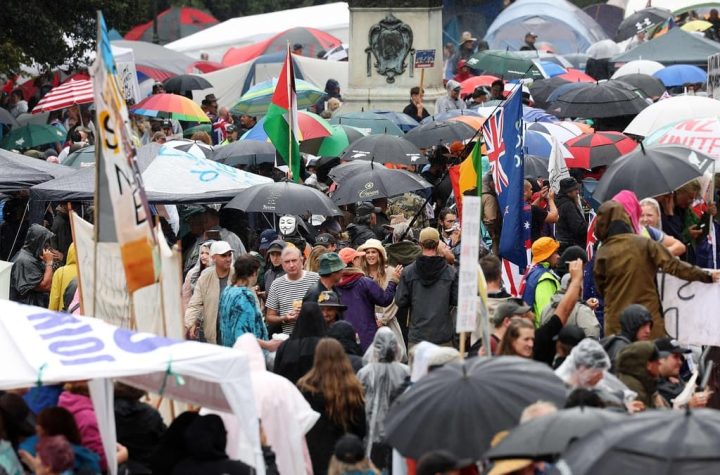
x: 170, y: 106
x: 257, y: 99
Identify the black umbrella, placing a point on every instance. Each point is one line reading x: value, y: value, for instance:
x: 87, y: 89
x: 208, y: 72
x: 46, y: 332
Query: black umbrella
x: 666, y: 442
x: 541, y: 89
x: 186, y: 82
x: 245, y: 152
x: 460, y: 407
x: 641, y: 20
x: 652, y: 171
x: 439, y: 133
x: 375, y: 181
x: 284, y: 198
x: 597, y: 101
x: 549, y: 436
x: 20, y: 172
x: 650, y: 86
x: 536, y: 167
x: 384, y: 149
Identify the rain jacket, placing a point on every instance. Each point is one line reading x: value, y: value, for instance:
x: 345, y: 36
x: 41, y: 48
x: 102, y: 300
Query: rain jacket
x: 82, y: 410
x: 571, y: 227
x: 359, y: 233
x: 381, y: 377
x: 631, y: 370
x: 344, y: 332
x: 446, y: 103
x: 361, y: 294
x: 61, y: 279
x: 631, y: 319
x: 429, y: 286
x: 28, y: 269
x: 625, y: 268
x: 139, y: 427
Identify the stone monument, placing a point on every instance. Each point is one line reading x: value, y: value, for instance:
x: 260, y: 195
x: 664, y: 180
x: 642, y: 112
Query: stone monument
x: 388, y: 39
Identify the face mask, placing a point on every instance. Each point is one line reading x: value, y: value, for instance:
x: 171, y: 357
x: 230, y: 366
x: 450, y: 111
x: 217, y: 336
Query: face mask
x: 287, y: 225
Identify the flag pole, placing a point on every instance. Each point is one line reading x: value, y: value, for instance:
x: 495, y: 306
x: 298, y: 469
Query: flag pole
x: 288, y: 72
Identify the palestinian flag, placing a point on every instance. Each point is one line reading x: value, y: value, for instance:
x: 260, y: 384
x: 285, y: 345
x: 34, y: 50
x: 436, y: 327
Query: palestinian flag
x: 281, y: 125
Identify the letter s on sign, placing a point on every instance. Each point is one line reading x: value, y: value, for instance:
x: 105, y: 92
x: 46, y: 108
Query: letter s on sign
x: 141, y: 344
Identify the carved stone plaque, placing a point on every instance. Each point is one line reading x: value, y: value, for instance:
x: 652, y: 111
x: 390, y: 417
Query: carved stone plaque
x: 391, y: 42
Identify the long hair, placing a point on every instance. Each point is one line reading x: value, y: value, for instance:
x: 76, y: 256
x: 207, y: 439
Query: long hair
x: 333, y: 377
x: 310, y: 322
x: 381, y: 274
x: 59, y: 421
x: 313, y: 262
x: 512, y: 334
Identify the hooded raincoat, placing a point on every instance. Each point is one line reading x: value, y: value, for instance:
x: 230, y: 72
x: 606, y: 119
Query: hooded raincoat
x: 61, y: 279
x: 28, y: 269
x: 625, y: 268
x: 632, y: 370
x: 447, y: 103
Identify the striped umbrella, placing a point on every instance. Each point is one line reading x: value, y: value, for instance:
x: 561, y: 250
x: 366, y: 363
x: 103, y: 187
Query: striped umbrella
x: 599, y: 149
x: 66, y: 95
x: 257, y: 99
x: 170, y: 106
x: 311, y: 126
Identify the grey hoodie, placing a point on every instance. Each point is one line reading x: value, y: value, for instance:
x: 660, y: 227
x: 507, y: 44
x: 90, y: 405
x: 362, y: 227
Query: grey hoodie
x: 447, y: 103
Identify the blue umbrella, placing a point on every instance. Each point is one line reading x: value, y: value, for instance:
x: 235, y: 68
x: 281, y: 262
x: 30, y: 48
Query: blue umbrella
x: 565, y: 88
x: 681, y: 74
x: 532, y: 114
x: 404, y: 121
x: 540, y: 145
x: 552, y: 69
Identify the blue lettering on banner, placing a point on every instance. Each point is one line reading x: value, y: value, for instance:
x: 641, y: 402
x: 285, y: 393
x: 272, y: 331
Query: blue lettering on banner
x: 145, y: 344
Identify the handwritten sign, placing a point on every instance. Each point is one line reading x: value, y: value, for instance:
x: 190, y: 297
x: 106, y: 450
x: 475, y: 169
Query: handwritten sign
x: 425, y: 58
x: 713, y: 77
x: 468, y: 281
x: 690, y: 310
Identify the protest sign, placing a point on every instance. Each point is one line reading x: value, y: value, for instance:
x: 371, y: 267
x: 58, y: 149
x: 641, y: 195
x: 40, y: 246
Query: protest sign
x: 425, y: 58
x: 690, y: 310
x: 468, y: 282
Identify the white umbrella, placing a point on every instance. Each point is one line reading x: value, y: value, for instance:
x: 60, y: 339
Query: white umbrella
x: 603, y: 49
x: 638, y: 66
x: 193, y: 147
x: 668, y: 111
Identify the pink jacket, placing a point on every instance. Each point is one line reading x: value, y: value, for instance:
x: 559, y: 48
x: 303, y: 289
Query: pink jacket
x: 82, y: 410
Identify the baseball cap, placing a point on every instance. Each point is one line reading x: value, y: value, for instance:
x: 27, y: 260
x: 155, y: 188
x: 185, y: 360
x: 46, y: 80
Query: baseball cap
x: 507, y: 309
x: 348, y: 254
x: 220, y: 247
x: 531, y: 33
x: 276, y: 245
x: 366, y: 209
x: 543, y: 248
x: 266, y: 238
x: 349, y: 449
x: 330, y: 262
x: 166, y: 124
x: 328, y: 298
x: 570, y: 335
x: 666, y: 346
x: 325, y: 239
x: 429, y: 234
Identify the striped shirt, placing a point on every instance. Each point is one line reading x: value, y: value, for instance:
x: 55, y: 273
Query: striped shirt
x: 284, y: 292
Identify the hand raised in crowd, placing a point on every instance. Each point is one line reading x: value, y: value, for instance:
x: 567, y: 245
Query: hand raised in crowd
x: 700, y: 399
x: 576, y: 270
x: 397, y: 271
x: 47, y: 256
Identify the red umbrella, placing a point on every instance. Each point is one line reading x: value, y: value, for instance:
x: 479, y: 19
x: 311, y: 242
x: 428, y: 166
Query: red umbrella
x: 469, y: 85
x: 599, y: 149
x: 312, y: 41
x: 575, y: 75
x: 173, y: 23
x: 66, y: 95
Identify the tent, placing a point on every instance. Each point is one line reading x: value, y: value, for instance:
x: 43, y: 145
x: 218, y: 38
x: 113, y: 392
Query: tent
x: 172, y: 177
x: 19, y: 172
x: 232, y: 82
x: 311, y: 39
x: 43, y: 347
x: 558, y: 22
x: 155, y: 61
x: 333, y: 18
x: 172, y: 24
x: 675, y: 6
x: 674, y: 47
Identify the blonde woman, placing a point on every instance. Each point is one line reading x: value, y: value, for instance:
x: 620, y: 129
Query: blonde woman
x: 313, y: 262
x: 375, y: 266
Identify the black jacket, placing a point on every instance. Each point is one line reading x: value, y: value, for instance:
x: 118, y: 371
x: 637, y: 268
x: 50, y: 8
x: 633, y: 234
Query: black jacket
x: 359, y: 233
x: 28, y: 269
x: 139, y: 427
x: 571, y: 228
x: 295, y: 357
x: 344, y: 332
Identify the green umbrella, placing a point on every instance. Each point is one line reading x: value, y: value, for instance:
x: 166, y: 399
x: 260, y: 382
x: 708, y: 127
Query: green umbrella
x: 187, y: 133
x: 368, y: 122
x: 257, y: 99
x: 332, y: 146
x: 84, y: 157
x: 29, y: 136
x: 506, y: 64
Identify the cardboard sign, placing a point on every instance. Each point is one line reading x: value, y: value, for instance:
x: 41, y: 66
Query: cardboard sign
x: 690, y: 310
x: 425, y: 58
x: 468, y: 281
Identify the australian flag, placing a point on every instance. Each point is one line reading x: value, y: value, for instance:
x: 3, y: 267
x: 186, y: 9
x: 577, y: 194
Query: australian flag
x: 503, y: 133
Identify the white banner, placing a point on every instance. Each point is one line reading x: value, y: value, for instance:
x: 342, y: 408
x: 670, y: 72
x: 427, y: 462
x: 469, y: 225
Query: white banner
x: 5, y: 269
x: 469, y: 251
x: 690, y: 310
x: 557, y: 168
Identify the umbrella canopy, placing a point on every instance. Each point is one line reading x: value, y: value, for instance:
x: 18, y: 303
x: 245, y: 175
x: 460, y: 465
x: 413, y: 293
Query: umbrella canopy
x: 384, y: 149
x: 652, y: 171
x: 575, y: 75
x: 506, y: 64
x: 552, y: 69
x: 186, y: 82
x: 548, y: 436
x: 477, y: 398
x: 681, y: 74
x: 638, y: 66
x: 66, y: 95
x: 533, y: 114
x: 257, y: 99
x: 563, y: 89
x: 155, y: 61
x: 674, y: 47
x: 195, y: 148
x: 311, y: 39
x: 453, y: 113
x: 649, y: 443
x: 370, y: 181
x: 474, y: 122
x: 642, y: 20
x: 311, y: 126
x: 245, y: 152
x: 604, y: 49
x: 608, y: 17
x: 597, y: 101
x: 29, y: 136
x: 699, y: 134
x: 170, y: 106
x: 563, y: 131
x: 438, y: 133
x: 402, y: 120
x: 285, y: 198
x: 542, y: 89
x: 84, y: 157
x: 368, y: 122
x: 334, y: 144
x: 189, y: 132
x: 7, y: 118
x: 469, y: 85
x: 540, y: 144
x: 19, y: 172
x: 599, y: 149
x: 172, y: 24
x: 536, y: 167
x: 649, y: 85
x: 697, y: 25
x: 665, y: 112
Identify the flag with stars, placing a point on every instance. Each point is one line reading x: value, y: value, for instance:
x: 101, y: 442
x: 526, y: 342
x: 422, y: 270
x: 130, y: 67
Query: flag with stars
x: 503, y: 137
